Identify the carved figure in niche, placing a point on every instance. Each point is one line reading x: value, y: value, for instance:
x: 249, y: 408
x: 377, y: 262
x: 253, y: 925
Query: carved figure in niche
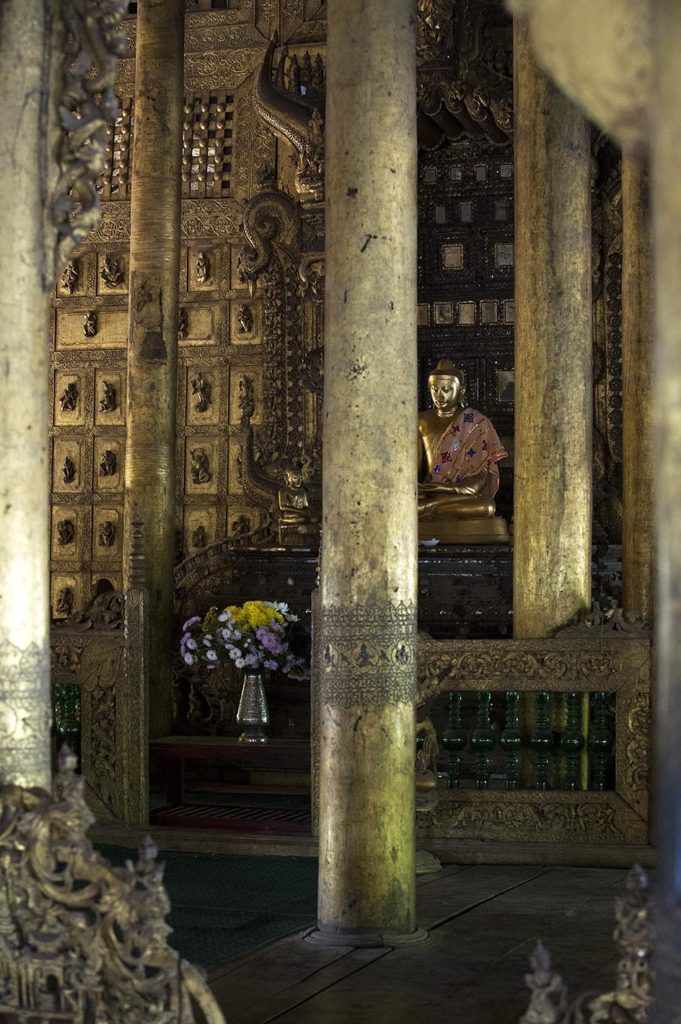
x: 246, y: 400
x: 458, y: 455
x: 182, y: 324
x: 306, y: 70
x: 427, y: 748
x: 112, y: 271
x: 106, y: 534
x: 201, y: 388
x: 90, y: 323
x: 107, y: 463
x: 241, y: 526
x: 66, y: 532
x: 200, y: 470
x: 68, y: 400
x: 65, y: 601
x: 202, y: 268
x: 70, y: 275
x: 294, y: 74
x: 318, y: 72
x: 107, y: 402
x: 245, y: 318
x: 69, y: 470
x: 199, y: 537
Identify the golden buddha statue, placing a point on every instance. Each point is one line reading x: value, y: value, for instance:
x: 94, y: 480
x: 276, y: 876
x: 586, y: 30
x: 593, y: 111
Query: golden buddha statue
x: 458, y: 474
x: 296, y: 520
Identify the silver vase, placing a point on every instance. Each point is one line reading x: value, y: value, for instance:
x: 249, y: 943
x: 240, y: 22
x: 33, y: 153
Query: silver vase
x: 253, y: 714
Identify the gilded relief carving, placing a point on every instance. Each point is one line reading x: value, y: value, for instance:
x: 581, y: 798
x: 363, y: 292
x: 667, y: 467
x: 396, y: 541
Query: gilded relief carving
x: 182, y: 324
x: 245, y: 319
x: 356, y: 671
x: 108, y: 402
x: 107, y: 463
x: 90, y: 324
x: 66, y: 532
x: 70, y: 276
x: 68, y: 470
x: 201, y: 388
x: 68, y: 400
x: 111, y: 272
x: 106, y: 534
x: 203, y: 268
x: 200, y: 467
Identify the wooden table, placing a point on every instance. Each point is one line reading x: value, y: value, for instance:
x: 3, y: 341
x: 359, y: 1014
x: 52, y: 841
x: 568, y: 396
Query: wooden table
x: 175, y: 751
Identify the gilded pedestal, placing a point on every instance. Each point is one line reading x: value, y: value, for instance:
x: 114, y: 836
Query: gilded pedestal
x: 368, y: 570
x: 553, y: 391
x: 152, y: 351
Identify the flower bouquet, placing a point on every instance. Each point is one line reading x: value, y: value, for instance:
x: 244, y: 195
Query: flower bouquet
x: 253, y: 636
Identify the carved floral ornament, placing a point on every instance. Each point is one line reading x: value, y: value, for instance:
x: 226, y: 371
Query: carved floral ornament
x: 80, y: 940
x: 92, y: 40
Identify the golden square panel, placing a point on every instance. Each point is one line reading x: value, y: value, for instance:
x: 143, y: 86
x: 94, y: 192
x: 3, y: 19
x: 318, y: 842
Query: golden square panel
x: 466, y: 313
x: 430, y: 175
x: 198, y: 325
x: 200, y: 528
x: 109, y: 464
x: 245, y: 322
x: 489, y: 311
x: 110, y: 397
x: 107, y: 534
x: 452, y: 256
x: 509, y: 311
x: 110, y: 328
x: 203, y: 269
x: 443, y: 312
x: 68, y: 539
x: 112, y: 273
x: 67, y: 466
x: 69, y: 399
x: 503, y: 254
x: 245, y: 393
x: 67, y: 594
x: 201, y: 466
x: 206, y: 394
x: 73, y: 278
x: 506, y: 170
x: 502, y: 209
x: 422, y: 314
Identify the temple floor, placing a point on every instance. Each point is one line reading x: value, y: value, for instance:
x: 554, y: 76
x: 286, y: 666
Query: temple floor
x: 483, y: 922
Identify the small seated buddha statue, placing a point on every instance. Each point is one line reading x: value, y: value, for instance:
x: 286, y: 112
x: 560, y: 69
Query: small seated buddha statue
x: 297, y: 522
x: 458, y: 474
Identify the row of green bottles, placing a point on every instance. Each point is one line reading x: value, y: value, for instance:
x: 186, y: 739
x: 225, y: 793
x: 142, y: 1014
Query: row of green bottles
x: 540, y: 740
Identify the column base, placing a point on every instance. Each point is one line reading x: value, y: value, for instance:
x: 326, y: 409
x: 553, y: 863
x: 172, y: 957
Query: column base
x: 356, y: 938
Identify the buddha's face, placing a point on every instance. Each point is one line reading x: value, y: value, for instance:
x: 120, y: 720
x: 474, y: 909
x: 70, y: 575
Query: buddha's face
x: 445, y: 392
x: 294, y: 479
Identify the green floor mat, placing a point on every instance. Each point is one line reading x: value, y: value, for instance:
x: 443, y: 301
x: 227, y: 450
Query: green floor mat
x: 226, y: 905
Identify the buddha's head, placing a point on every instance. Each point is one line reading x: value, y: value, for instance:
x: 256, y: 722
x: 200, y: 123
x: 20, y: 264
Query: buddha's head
x: 446, y: 385
x: 293, y: 478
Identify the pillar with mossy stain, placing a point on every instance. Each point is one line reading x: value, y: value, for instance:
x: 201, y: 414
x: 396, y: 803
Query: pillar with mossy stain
x: 553, y: 374
x: 367, y: 660
x: 152, y: 345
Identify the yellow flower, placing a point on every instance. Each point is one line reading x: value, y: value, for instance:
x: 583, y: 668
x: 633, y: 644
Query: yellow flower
x: 251, y: 614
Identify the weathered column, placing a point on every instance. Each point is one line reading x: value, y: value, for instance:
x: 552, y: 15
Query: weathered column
x: 26, y: 271
x: 152, y: 346
x: 637, y: 380
x: 368, y: 569
x: 666, y: 202
x: 553, y: 389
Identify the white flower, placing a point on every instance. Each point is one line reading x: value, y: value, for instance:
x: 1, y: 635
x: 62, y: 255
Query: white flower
x: 233, y: 653
x: 240, y: 662
x: 191, y: 644
x: 212, y: 655
x: 189, y: 658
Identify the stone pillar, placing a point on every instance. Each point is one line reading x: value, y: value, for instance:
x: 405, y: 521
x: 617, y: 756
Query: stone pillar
x: 27, y: 142
x: 369, y: 548
x: 152, y: 346
x: 637, y: 381
x: 666, y: 202
x: 553, y: 388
